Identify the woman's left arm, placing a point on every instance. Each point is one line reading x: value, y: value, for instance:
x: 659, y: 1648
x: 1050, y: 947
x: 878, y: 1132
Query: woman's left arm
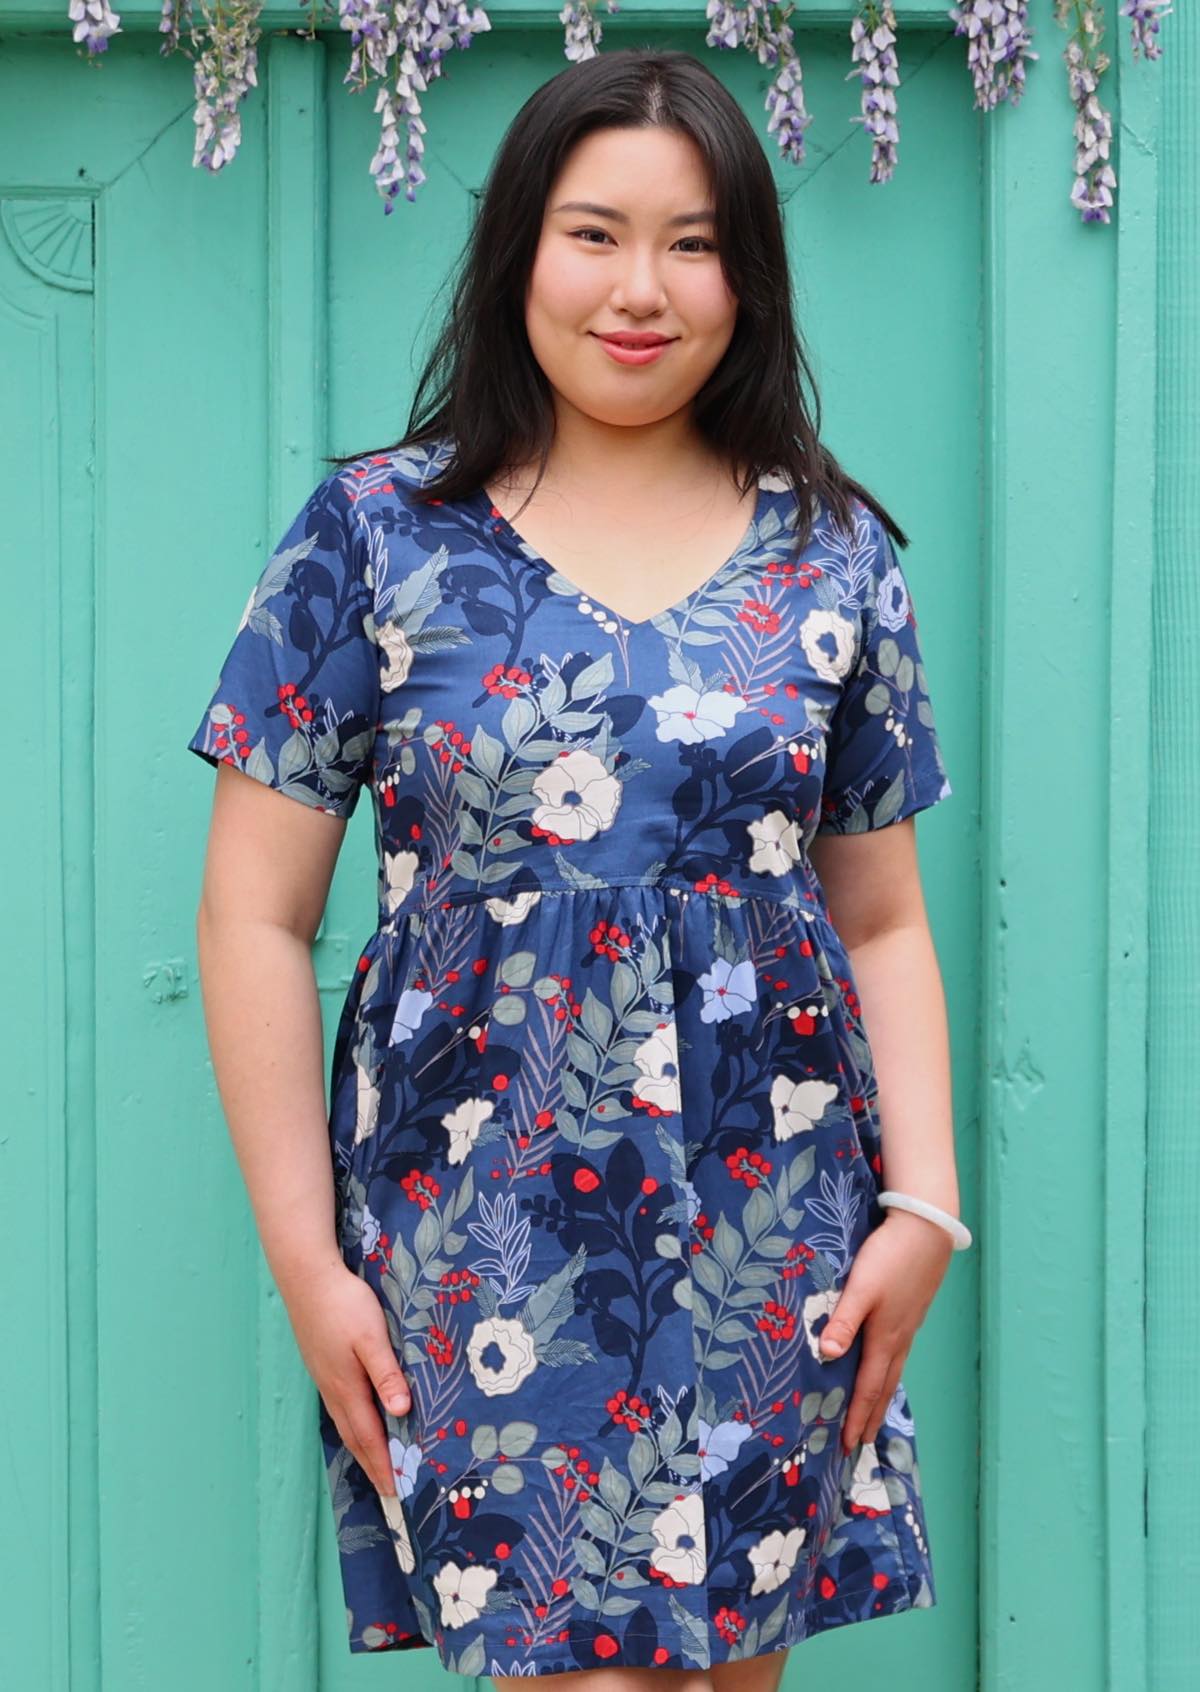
x: 873, y: 889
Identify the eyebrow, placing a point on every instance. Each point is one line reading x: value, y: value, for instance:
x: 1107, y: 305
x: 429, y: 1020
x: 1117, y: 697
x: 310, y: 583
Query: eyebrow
x: 621, y: 217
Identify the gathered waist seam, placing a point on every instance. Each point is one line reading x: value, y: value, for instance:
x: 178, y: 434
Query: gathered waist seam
x: 675, y: 886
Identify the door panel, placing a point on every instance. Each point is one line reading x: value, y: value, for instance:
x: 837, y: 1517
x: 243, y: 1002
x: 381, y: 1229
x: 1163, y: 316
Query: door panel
x: 181, y: 350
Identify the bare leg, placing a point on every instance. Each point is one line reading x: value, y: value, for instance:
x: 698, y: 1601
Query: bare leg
x: 755, y: 1674
x: 619, y: 1680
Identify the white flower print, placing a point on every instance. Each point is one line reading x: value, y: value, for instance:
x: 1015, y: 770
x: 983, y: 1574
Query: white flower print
x: 728, y: 990
x: 689, y: 716
x: 776, y: 844
x: 658, y: 1059
x: 679, y: 1550
x: 411, y: 1006
x: 512, y: 910
x: 463, y: 1124
x: 892, y: 599
x: 815, y: 1306
x: 773, y: 1559
x: 401, y: 870
x: 578, y: 796
x: 820, y: 625
x: 501, y: 1355
x: 393, y: 1510
x: 366, y: 1110
x: 463, y: 1593
x: 867, y: 1490
x: 399, y: 653
x: 798, y: 1105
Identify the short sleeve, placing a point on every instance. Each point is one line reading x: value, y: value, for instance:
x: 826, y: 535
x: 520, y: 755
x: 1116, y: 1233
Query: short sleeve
x: 296, y: 704
x: 883, y: 759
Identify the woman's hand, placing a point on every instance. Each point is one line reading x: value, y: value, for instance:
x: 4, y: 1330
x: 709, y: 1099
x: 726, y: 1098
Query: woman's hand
x: 891, y: 1284
x: 343, y: 1337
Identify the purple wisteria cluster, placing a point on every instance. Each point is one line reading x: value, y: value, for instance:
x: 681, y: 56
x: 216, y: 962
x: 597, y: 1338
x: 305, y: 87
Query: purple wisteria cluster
x: 400, y: 44
x: 174, y: 14
x: 225, y: 70
x: 95, y: 23
x: 998, y: 45
x: 763, y: 29
x: 1095, y: 179
x: 581, y: 29
x: 1144, y: 17
x: 873, y: 49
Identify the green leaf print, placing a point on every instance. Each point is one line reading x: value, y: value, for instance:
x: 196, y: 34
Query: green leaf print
x: 614, y: 1488
x: 516, y: 970
x: 643, y: 1460
x: 487, y: 753
x: 516, y: 1438
x: 551, y: 1304
x: 484, y: 1442
x: 694, y: 1634
x: 586, y: 1594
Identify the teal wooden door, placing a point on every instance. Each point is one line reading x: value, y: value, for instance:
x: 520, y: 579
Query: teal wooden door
x: 181, y: 350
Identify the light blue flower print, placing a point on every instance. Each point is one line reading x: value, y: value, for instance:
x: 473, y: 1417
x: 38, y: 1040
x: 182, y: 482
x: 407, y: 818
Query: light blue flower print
x: 686, y: 714
x: 898, y: 1414
x: 371, y: 1231
x: 410, y: 1009
x: 406, y: 1460
x: 728, y: 990
x: 720, y: 1445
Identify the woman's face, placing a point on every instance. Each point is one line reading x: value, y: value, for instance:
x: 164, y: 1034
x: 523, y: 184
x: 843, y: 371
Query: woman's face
x: 628, y: 244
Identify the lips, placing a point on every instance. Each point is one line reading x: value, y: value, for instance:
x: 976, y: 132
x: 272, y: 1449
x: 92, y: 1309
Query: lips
x: 637, y: 341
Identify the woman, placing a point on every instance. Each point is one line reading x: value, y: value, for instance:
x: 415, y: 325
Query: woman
x: 605, y: 1313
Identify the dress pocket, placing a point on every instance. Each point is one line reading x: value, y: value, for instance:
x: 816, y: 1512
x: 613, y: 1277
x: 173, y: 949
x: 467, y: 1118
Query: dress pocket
x: 847, y: 1064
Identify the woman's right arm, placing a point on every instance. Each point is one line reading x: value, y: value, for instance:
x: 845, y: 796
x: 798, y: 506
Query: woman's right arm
x: 267, y: 872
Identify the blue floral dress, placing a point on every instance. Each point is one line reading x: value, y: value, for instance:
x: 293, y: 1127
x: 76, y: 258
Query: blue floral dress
x: 603, y: 1111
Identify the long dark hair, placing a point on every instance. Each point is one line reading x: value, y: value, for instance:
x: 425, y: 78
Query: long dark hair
x: 481, y: 384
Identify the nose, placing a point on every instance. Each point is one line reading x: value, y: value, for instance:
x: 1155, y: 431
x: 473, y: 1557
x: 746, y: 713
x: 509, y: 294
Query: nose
x: 639, y: 288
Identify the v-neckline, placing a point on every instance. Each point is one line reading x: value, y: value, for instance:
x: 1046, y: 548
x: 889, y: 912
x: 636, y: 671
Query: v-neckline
x: 529, y: 554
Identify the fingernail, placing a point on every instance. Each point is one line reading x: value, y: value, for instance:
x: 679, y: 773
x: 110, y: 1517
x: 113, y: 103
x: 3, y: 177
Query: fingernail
x: 397, y: 1405
x: 833, y: 1345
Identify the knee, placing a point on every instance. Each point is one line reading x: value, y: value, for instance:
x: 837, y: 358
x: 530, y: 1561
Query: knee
x: 619, y: 1680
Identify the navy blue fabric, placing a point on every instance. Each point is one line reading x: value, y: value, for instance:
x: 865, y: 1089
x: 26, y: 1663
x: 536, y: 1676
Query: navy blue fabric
x: 604, y: 1116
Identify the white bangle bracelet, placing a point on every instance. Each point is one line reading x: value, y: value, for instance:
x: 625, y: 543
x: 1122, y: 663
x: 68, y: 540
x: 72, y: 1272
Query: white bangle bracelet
x: 958, y: 1231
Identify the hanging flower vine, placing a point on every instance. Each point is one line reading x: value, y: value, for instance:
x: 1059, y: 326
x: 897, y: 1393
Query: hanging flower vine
x: 401, y: 46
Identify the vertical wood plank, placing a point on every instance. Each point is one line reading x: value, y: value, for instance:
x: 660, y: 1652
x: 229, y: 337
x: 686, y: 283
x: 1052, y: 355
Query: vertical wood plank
x: 48, y: 1567
x: 1173, y: 1196
x: 179, y: 437
x: 291, y: 1493
x: 1046, y: 459
x: 1130, y: 822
